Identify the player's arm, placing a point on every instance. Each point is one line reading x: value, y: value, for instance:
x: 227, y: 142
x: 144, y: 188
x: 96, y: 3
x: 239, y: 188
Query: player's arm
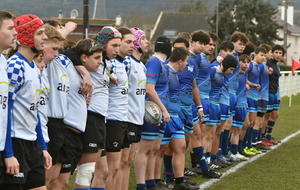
x: 87, y: 81
x: 67, y: 29
x: 40, y: 137
x: 152, y: 94
x: 196, y: 98
x: 256, y: 86
x: 15, y: 75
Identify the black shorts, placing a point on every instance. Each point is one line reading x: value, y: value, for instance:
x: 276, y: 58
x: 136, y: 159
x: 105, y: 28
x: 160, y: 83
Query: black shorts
x: 70, y: 150
x: 31, y: 160
x: 57, y: 135
x: 116, y: 136
x: 94, y: 136
x: 2, y: 168
x: 134, y: 132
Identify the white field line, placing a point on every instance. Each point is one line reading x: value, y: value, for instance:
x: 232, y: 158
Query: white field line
x: 238, y: 166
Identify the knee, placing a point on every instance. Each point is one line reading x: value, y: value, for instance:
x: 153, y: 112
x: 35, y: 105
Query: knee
x: 85, y: 174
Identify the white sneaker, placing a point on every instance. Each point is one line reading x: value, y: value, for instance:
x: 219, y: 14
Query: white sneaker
x: 241, y: 157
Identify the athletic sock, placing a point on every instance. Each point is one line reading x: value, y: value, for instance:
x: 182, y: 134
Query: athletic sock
x: 263, y: 135
x: 255, y: 135
x: 179, y: 180
x: 249, y: 141
x: 225, y: 142
x: 240, y: 144
x: 140, y: 186
x: 245, y: 140
x: 168, y: 168
x: 150, y: 183
x: 198, y: 151
x: 259, y: 135
x: 193, y: 159
x: 270, y: 129
x: 213, y: 157
x: 234, y: 148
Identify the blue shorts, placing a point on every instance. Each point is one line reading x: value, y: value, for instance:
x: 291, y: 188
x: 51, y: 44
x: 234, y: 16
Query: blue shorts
x: 225, y: 112
x: 274, y: 103
x: 215, y: 115
x: 174, y: 129
x: 196, y: 117
x: 186, y: 117
x: 233, y: 102
x: 252, y: 105
x: 149, y: 132
x: 239, y: 117
x: 262, y: 106
x: 206, y: 108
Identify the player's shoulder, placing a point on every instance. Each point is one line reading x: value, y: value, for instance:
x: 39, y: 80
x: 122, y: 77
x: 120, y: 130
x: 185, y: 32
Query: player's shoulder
x: 64, y: 60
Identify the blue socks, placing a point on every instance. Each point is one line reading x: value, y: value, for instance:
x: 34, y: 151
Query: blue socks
x: 255, y: 136
x: 140, y: 186
x: 198, y: 151
x: 234, y: 148
x: 225, y: 142
x: 150, y: 183
x: 249, y: 142
x: 270, y: 129
x: 168, y: 168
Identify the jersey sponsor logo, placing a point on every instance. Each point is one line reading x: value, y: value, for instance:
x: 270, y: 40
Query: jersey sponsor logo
x: 44, y: 99
x: 142, y: 87
x: 3, y: 101
x: 3, y: 87
x: 20, y: 175
x: 36, y: 100
x: 131, y: 133
x: 64, y: 85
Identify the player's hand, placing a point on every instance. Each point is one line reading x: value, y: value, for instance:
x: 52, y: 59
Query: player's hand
x: 114, y: 81
x: 201, y: 116
x: 257, y: 86
x: 270, y: 70
x: 166, y: 116
x: 87, y: 86
x: 12, y: 165
x: 219, y: 59
x: 47, y: 160
x: 88, y: 100
x: 247, y: 87
x: 70, y: 26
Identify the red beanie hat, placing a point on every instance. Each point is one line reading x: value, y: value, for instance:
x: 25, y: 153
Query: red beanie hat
x: 26, y: 25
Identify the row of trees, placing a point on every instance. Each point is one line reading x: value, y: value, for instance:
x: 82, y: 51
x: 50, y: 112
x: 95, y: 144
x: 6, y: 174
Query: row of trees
x: 253, y: 17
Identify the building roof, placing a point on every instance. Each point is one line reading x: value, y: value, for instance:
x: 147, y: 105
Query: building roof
x: 170, y: 24
x: 292, y: 29
x: 79, y: 21
x: 297, y: 17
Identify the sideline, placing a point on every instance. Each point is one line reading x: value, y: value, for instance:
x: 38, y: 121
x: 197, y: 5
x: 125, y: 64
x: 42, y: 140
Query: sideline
x: 238, y: 166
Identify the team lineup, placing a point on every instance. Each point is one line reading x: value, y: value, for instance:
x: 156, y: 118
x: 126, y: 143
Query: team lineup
x: 82, y: 108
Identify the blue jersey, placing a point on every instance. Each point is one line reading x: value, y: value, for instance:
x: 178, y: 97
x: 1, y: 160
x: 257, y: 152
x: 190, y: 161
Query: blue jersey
x: 217, y: 80
x: 253, y: 77
x: 264, y: 82
x: 233, y: 78
x: 225, y: 97
x: 174, y: 92
x: 186, y: 79
x: 156, y: 74
x: 241, y: 91
x: 203, y: 79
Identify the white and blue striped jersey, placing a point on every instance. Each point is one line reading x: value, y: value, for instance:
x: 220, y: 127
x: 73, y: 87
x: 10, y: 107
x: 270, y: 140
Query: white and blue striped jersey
x: 77, y: 113
x: 43, y: 105
x: 136, y: 91
x: 24, y: 92
x: 60, y: 85
x: 99, y: 99
x: 118, y: 95
x: 3, y: 101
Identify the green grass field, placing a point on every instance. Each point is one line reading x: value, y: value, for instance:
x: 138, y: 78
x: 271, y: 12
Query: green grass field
x: 277, y: 170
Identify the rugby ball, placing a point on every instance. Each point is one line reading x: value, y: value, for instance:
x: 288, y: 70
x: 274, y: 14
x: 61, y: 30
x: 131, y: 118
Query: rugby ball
x: 153, y: 114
